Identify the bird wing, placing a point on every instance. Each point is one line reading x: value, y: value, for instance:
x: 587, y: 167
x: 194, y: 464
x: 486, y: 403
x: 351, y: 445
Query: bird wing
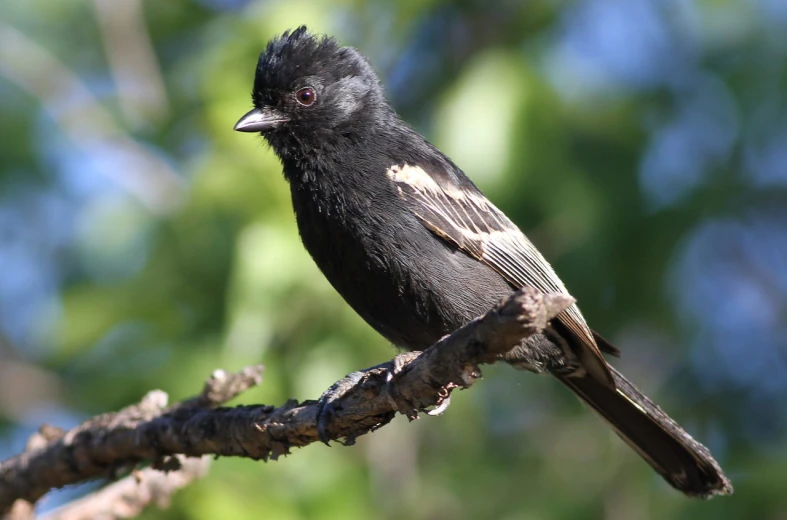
x: 461, y: 215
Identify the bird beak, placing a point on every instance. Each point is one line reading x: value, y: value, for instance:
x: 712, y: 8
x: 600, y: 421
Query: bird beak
x: 260, y: 120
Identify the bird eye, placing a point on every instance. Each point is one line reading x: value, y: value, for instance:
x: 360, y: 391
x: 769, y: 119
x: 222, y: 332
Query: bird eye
x: 306, y: 96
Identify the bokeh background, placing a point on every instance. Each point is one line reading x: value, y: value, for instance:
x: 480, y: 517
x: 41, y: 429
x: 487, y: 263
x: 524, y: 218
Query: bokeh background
x: 642, y: 144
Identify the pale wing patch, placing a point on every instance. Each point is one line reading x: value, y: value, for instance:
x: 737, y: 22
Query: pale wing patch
x: 474, y: 223
x: 467, y: 219
x: 418, y: 179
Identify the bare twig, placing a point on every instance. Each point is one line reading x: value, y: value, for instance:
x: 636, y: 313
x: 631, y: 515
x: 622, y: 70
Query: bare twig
x: 151, y: 432
x: 104, y: 445
x: 129, y: 496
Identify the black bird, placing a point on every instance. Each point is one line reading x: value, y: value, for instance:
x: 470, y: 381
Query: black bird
x: 418, y: 251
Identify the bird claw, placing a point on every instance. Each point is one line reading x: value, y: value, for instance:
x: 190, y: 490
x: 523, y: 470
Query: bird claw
x: 328, y: 403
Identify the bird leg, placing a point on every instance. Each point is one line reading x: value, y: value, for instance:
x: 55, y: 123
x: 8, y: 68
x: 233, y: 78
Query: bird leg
x: 329, y: 402
x: 540, y: 353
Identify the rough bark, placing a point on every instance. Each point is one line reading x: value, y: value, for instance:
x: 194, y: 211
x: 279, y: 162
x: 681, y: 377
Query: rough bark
x: 150, y: 432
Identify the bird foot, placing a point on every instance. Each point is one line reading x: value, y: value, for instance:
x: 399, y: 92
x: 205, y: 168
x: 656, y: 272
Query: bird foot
x: 329, y: 402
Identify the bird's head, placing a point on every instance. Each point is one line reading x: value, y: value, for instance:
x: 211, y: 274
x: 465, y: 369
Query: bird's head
x: 309, y: 90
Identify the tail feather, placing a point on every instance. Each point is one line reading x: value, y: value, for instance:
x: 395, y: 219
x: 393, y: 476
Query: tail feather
x: 683, y: 462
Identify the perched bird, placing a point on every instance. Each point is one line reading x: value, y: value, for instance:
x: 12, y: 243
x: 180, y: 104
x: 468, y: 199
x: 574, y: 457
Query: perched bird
x: 417, y: 250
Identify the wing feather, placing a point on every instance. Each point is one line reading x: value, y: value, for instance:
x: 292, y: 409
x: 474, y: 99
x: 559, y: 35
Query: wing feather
x: 464, y: 217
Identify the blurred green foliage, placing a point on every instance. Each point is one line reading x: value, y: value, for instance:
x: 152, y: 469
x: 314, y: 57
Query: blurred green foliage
x: 641, y: 144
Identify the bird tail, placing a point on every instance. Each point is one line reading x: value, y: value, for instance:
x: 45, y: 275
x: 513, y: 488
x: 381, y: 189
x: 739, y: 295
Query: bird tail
x: 683, y: 462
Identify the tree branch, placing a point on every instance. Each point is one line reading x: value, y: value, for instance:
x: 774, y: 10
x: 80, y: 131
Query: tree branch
x: 149, y: 431
x: 127, y: 497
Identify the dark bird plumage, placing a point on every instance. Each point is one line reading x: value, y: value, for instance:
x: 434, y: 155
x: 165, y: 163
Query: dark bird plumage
x: 418, y: 251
